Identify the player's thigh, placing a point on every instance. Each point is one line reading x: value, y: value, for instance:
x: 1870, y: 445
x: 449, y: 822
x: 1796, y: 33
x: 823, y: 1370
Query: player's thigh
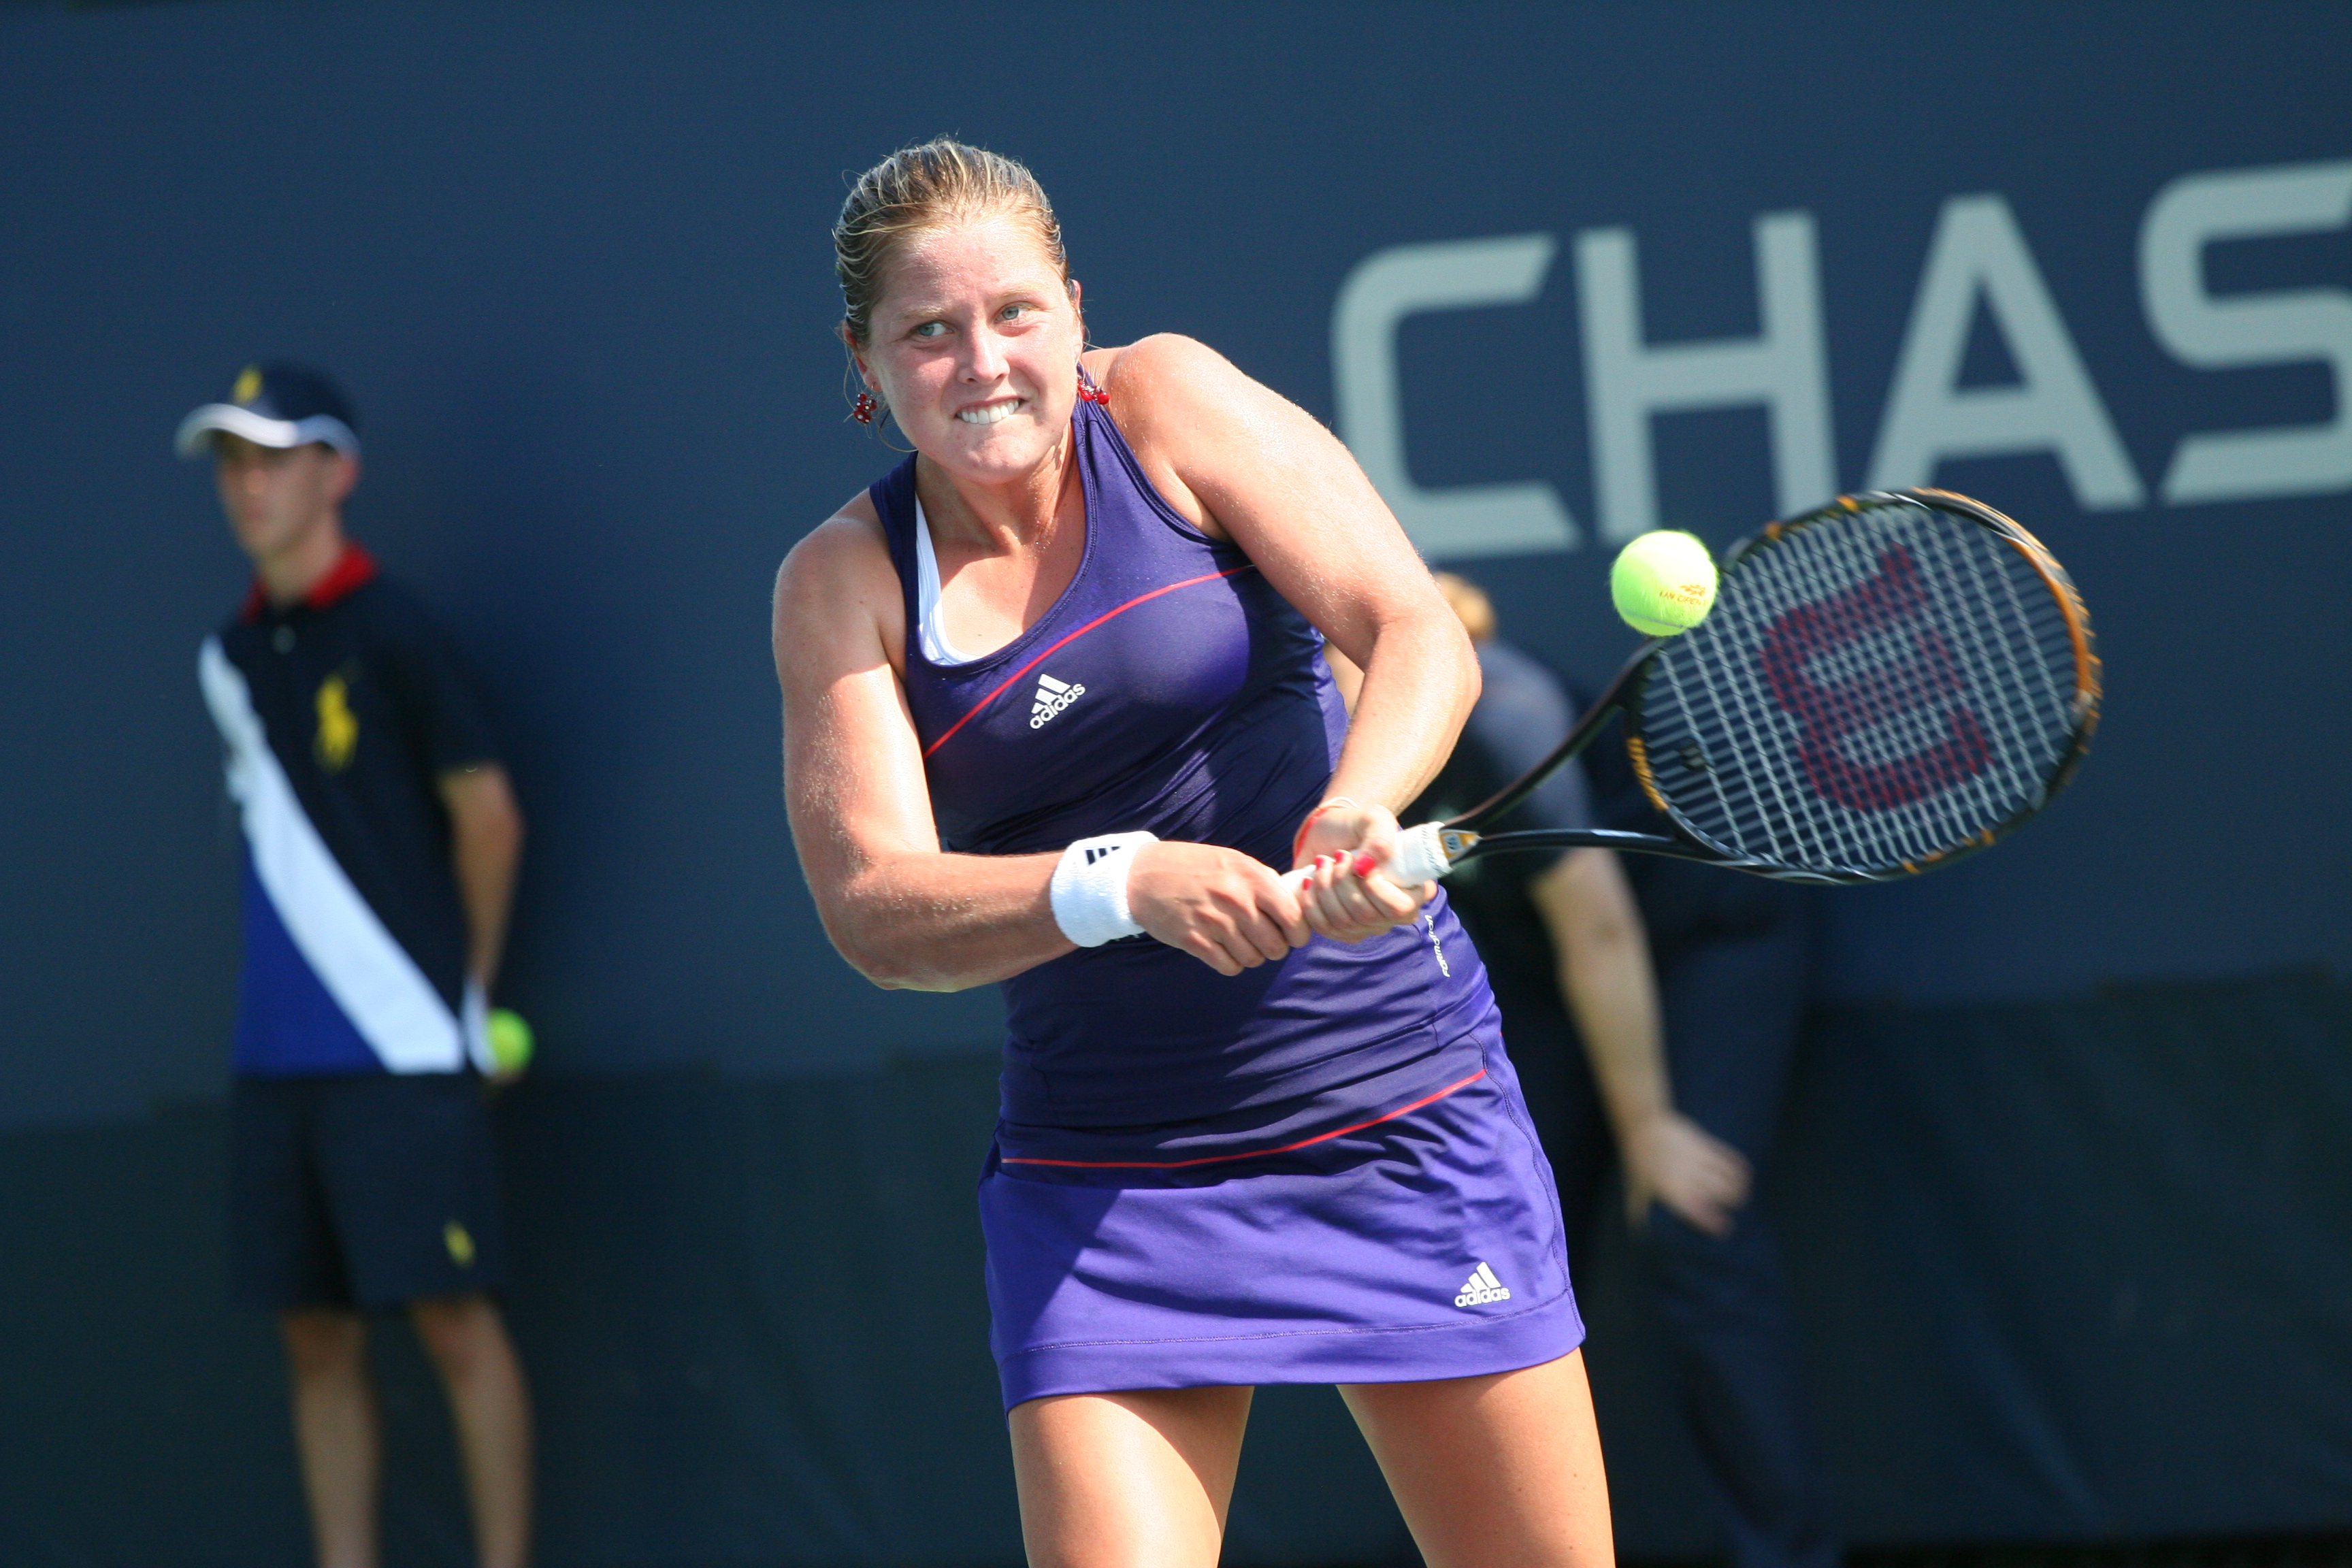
x: 1502, y: 1471
x: 282, y: 1249
x: 411, y: 1175
x: 1138, y: 1480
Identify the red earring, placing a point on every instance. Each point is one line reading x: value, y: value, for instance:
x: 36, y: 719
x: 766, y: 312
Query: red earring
x: 863, y: 411
x: 1089, y: 393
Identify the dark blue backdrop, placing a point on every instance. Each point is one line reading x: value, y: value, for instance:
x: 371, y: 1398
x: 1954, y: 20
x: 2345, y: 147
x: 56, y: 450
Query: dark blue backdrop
x: 571, y: 262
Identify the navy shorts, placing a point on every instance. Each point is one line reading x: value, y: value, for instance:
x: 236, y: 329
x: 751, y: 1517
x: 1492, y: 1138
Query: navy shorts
x: 369, y: 1191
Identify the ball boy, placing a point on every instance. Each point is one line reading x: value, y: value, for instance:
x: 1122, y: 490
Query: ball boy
x: 381, y: 845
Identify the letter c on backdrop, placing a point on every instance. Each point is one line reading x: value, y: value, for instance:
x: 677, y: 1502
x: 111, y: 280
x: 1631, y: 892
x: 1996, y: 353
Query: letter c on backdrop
x: 1383, y: 289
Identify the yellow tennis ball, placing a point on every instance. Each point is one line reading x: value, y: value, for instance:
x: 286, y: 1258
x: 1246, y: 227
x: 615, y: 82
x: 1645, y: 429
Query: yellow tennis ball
x: 511, y: 1040
x: 1663, y: 582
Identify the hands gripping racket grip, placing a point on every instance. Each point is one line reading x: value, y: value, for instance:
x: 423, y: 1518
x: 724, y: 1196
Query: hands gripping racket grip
x: 1420, y: 858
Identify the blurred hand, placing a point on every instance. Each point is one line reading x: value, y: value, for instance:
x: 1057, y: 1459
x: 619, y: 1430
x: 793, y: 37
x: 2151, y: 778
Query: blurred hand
x: 1345, y: 899
x: 1673, y: 1160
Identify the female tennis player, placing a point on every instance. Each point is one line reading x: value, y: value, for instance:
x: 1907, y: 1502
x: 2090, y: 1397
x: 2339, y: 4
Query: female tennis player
x: 1055, y: 717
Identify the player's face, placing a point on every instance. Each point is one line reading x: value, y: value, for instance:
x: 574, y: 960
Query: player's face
x: 974, y: 345
x: 274, y: 496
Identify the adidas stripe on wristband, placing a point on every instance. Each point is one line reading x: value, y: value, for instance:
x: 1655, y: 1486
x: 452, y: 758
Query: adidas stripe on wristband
x: 1089, y: 887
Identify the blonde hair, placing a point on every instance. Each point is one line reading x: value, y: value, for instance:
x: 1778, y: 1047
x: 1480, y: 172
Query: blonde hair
x: 918, y: 189
x: 1470, y: 602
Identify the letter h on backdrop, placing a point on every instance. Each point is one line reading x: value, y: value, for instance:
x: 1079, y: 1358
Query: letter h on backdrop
x: 1783, y: 368
x: 1627, y: 381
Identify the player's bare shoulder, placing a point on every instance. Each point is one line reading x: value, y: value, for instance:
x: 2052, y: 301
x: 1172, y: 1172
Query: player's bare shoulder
x: 837, y: 594
x: 1183, y: 395
x: 1184, y: 408
x: 1202, y: 428
x: 1165, y: 378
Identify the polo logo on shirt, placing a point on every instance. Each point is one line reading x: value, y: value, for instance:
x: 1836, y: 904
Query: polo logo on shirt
x: 339, y: 727
x: 1052, y: 696
x: 1481, y: 1287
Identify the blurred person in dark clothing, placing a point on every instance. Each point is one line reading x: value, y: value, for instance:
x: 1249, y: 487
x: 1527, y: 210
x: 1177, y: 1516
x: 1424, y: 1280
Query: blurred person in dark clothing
x: 382, y: 840
x: 1686, y: 1034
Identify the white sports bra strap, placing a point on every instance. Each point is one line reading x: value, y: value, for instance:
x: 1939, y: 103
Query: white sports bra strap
x: 928, y: 630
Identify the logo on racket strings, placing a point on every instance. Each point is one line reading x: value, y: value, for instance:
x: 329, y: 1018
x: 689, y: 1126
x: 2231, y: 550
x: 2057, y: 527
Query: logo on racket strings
x: 1887, y: 662
x: 1052, y: 696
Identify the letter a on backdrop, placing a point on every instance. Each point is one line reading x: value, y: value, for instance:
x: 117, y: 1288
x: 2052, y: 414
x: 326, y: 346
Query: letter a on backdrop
x: 1977, y: 252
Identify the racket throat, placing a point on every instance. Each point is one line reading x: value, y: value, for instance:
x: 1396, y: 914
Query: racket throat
x: 1454, y: 841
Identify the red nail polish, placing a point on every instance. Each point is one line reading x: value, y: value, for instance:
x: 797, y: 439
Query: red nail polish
x: 1365, y: 864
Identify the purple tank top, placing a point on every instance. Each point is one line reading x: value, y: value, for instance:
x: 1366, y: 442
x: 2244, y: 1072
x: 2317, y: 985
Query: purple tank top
x: 1170, y: 688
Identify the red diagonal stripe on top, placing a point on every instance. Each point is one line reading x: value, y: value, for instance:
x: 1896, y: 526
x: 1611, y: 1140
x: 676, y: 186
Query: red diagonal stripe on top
x: 1014, y: 678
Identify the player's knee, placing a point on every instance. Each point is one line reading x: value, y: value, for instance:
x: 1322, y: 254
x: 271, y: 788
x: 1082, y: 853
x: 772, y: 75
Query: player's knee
x: 461, y: 1333
x: 322, y: 1340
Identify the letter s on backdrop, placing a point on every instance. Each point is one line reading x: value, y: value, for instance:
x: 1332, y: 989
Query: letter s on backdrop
x: 2284, y: 327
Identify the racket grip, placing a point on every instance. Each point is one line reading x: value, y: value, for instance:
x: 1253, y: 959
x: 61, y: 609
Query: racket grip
x: 1420, y: 858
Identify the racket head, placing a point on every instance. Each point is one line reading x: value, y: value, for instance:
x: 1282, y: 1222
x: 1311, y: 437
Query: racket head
x: 1886, y: 684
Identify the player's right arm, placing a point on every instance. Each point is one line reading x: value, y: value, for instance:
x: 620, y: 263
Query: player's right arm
x: 1605, y: 978
x: 904, y: 913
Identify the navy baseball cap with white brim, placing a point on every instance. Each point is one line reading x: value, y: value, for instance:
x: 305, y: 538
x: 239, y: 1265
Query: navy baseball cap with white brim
x: 274, y: 405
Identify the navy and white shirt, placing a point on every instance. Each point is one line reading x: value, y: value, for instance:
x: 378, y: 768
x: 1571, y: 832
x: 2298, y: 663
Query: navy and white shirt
x: 341, y: 713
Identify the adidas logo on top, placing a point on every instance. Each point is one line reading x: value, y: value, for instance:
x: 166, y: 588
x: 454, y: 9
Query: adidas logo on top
x: 1481, y: 1287
x: 1052, y: 696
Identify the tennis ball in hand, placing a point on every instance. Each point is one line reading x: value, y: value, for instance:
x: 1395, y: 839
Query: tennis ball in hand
x: 1663, y: 584
x: 509, y: 1040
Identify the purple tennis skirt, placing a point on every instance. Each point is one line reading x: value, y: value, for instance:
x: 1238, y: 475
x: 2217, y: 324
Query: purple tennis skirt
x: 1414, y: 1237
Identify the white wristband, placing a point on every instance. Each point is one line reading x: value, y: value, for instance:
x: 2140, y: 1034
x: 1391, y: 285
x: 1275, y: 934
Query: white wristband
x: 1089, y: 889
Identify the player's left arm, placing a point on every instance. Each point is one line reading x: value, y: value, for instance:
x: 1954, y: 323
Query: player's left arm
x: 1243, y: 462
x: 486, y: 847
x: 454, y: 736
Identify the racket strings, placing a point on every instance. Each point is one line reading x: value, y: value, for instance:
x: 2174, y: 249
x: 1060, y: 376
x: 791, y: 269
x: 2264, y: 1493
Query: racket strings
x: 1944, y: 751
x: 1874, y: 690
x: 1905, y: 748
x: 1998, y: 612
x: 1894, y: 736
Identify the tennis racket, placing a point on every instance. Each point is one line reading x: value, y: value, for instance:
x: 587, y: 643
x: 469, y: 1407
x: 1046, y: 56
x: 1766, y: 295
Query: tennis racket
x: 1885, y: 685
